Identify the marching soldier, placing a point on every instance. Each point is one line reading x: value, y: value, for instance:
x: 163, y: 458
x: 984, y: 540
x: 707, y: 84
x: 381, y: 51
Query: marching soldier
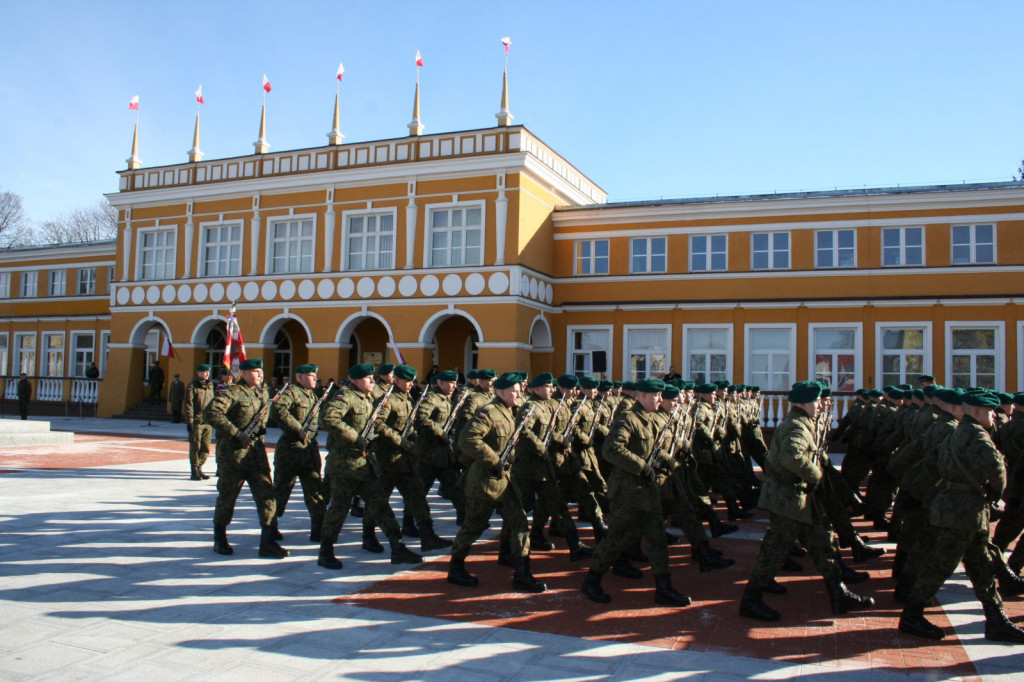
x: 709, y: 431
x: 433, y: 446
x: 348, y: 418
x: 198, y: 395
x: 239, y: 413
x: 297, y: 454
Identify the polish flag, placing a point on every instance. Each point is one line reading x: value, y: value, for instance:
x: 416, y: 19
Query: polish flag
x: 234, y: 348
x: 506, y: 41
x: 341, y: 70
x: 167, y: 350
x: 266, y: 83
x: 419, y: 58
x: 133, y: 104
x: 199, y: 95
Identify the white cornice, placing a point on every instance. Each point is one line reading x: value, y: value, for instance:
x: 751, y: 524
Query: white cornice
x: 778, y: 274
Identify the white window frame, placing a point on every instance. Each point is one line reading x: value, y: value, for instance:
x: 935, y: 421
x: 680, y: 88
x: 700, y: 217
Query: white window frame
x: 648, y: 257
x: 903, y: 246
x: 204, y: 244
x: 272, y: 241
x: 748, y: 330
x: 5, y: 285
x: 73, y: 353
x: 926, y: 351
x: 44, y: 353
x: 772, y: 250
x: 570, y: 361
x: 141, y: 250
x: 592, y: 260
x: 5, y: 352
x: 973, y: 244
x: 709, y: 252
x: 86, y: 276
x: 29, y: 284
x: 688, y: 350
x: 19, y: 345
x: 858, y: 348
x: 834, y: 250
x: 346, y: 251
x: 104, y: 351
x: 998, y: 352
x: 428, y: 242
x: 627, y: 349
x: 56, y: 283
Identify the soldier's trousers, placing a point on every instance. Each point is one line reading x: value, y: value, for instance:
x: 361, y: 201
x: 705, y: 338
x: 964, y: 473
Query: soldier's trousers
x: 778, y: 543
x: 856, y: 465
x: 304, y: 464
x: 449, y: 478
x: 1010, y: 526
x: 254, y: 469
x: 550, y: 504
x: 364, y: 483
x: 199, y: 444
x: 915, y: 541
x: 951, y: 546
x: 410, y: 485
x: 478, y: 513
x: 882, y: 486
x: 626, y: 523
x: 591, y: 492
x: 678, y: 504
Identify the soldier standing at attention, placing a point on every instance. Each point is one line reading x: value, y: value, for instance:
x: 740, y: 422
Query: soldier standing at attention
x: 792, y: 472
x: 176, y: 396
x: 353, y: 470
x: 241, y: 459
x: 489, y: 487
x: 436, y: 459
x: 198, y: 395
x: 297, y: 454
x: 24, y: 395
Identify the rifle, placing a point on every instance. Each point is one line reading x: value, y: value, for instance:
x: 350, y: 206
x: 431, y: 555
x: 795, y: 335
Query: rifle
x: 551, y: 426
x: 455, y: 412
x: 648, y: 470
x: 597, y: 418
x: 404, y: 441
x: 568, y: 436
x: 256, y: 423
x: 309, y: 426
x: 507, y: 454
x: 364, y: 435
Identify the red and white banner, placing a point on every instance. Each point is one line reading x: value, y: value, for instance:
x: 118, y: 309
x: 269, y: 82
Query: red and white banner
x: 341, y: 70
x: 133, y: 104
x: 199, y: 95
x: 419, y: 58
x: 167, y: 350
x: 506, y: 41
x: 234, y: 349
x: 266, y: 83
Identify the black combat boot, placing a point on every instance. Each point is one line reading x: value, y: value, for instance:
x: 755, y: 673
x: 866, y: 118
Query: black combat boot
x: 540, y: 543
x: 1010, y: 584
x: 998, y: 627
x: 276, y: 532
x: 327, y: 558
x: 356, y: 509
x: 844, y: 601
x: 850, y: 576
x: 458, y: 575
x: 666, y: 595
x: 903, y: 587
x: 523, y: 579
x: 735, y: 513
x: 429, y: 540
x: 774, y: 587
x: 370, y: 541
x: 708, y: 561
x: 624, y: 569
x: 505, y: 553
x: 202, y: 475
x: 268, y: 544
x: 600, y: 529
x: 752, y: 606
x: 792, y: 566
x: 863, y: 552
x: 316, y: 524
x: 720, y: 528
x: 409, y: 528
x: 195, y: 475
x: 636, y: 554
x: 400, y: 554
x: 220, y: 540
x: 671, y: 539
x: 913, y: 622
x: 577, y: 550
x: 591, y: 588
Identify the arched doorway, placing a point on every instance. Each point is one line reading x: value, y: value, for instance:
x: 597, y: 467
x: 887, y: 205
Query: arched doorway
x: 455, y: 340
x: 147, y: 342
x: 283, y: 355
x: 215, y: 343
x: 289, y: 338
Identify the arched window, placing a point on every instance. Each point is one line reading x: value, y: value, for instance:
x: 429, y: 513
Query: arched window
x: 215, y: 343
x: 282, y: 355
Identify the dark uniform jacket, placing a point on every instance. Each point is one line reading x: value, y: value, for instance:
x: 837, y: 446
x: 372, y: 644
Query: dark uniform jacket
x: 972, y: 474
x: 344, y: 417
x: 198, y: 395
x: 531, y: 462
x: 290, y: 412
x: 792, y: 468
x: 231, y: 410
x: 626, y: 448
x: 482, y: 441
x: 431, y: 443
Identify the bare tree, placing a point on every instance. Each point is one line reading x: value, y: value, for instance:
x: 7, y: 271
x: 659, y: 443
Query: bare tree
x: 14, y: 228
x: 80, y: 225
x: 1020, y: 172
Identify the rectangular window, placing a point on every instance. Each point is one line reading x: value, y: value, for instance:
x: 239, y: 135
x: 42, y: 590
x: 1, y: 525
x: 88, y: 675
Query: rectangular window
x: 53, y: 355
x: 371, y: 242
x: 29, y: 284
x: 57, y: 283
x: 770, y: 357
x: 86, y: 281
x: 975, y: 357
x: 836, y: 350
x: 25, y: 353
x: 708, y: 253
x: 456, y: 236
x: 592, y: 257
x: 589, y: 351
x: 647, y: 350
x: 83, y: 349
x: 222, y: 250
x: 835, y: 249
x: 3, y: 353
x: 974, y: 244
x: 648, y: 254
x: 156, y: 254
x: 291, y: 246
x: 707, y: 352
x: 902, y: 246
x: 770, y: 250
x: 903, y: 355
x: 5, y: 285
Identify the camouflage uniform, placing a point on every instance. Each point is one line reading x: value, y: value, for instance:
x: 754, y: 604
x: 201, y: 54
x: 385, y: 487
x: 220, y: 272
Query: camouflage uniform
x: 198, y: 394
x: 1010, y: 440
x: 433, y: 453
x: 297, y: 454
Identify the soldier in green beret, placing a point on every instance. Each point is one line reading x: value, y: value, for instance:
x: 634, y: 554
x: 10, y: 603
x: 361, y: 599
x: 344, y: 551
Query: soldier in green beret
x: 242, y: 458
x: 383, y: 377
x: 434, y: 454
x: 709, y: 432
x: 354, y: 470
x: 1010, y: 441
x: 198, y: 394
x: 297, y: 454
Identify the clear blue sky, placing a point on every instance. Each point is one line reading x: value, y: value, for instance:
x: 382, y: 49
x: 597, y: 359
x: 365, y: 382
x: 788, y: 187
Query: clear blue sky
x: 649, y: 99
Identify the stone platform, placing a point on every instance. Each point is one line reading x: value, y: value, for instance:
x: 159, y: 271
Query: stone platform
x: 17, y: 432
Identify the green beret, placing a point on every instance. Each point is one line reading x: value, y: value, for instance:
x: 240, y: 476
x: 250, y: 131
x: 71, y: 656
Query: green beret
x: 895, y: 393
x: 203, y: 368
x: 887, y: 388
x: 486, y: 374
x: 473, y: 374
x: 306, y: 369
x: 953, y: 396
x: 706, y: 388
x: 386, y: 368
x: 542, y: 379
x: 1004, y: 398
x: 917, y: 393
x: 826, y: 392
x: 360, y: 371
x: 688, y: 385
x: 876, y: 393
x: 862, y: 392
x: 721, y: 383
x: 628, y: 385
x: 618, y: 384
x: 670, y: 393
x: 929, y: 390
x: 507, y: 380
x: 804, y: 392
x: 523, y: 376
x: 981, y: 399
x: 904, y: 387
x: 405, y: 372
x: 755, y: 389
x: 1018, y: 399
x: 252, y: 363
x: 447, y: 375
x: 588, y: 382
x: 650, y: 385
x: 568, y: 381
x: 605, y: 386
x: 926, y: 377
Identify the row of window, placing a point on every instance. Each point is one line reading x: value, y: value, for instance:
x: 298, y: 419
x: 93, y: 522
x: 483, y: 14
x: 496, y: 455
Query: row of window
x: 974, y: 354
x: 456, y: 239
x: 901, y: 247
x: 51, y: 353
x: 56, y: 283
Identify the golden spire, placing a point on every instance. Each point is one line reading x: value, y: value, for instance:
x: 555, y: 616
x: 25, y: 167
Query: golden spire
x: 335, y: 136
x: 134, y: 163
x: 504, y: 116
x: 195, y: 154
x: 416, y: 126
x: 261, y: 145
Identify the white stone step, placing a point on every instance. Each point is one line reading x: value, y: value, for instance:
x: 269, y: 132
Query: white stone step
x: 27, y: 426
x: 15, y: 433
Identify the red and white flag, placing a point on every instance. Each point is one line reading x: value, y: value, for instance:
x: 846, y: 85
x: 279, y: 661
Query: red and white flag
x: 266, y: 83
x: 199, y: 95
x: 167, y: 350
x: 419, y: 58
x: 234, y: 349
x: 133, y: 104
x: 341, y: 70
x: 506, y: 41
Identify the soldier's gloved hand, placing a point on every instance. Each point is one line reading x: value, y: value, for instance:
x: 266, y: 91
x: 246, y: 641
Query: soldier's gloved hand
x: 309, y: 435
x: 648, y: 472
x: 261, y: 432
x: 362, y: 443
x: 407, y: 445
x: 242, y: 439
